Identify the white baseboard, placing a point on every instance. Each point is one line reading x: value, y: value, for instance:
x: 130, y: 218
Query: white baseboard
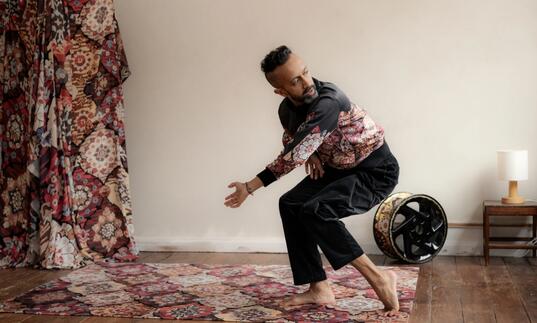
x: 266, y: 246
x: 210, y: 245
x: 460, y: 242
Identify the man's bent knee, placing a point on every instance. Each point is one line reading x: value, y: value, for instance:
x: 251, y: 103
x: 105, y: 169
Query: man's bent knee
x: 284, y: 205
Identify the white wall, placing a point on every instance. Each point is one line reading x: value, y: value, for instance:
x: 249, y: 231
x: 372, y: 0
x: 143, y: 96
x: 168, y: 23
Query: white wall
x: 450, y: 81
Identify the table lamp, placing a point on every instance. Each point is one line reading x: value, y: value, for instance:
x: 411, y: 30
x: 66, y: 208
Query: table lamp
x: 513, y: 167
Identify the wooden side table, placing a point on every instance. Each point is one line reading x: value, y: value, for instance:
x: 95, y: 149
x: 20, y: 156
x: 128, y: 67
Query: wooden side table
x: 496, y: 208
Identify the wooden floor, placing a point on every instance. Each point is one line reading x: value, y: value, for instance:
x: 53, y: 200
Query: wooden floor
x: 450, y: 289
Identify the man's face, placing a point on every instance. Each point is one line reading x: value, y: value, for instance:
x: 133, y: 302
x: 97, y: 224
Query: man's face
x: 293, y: 80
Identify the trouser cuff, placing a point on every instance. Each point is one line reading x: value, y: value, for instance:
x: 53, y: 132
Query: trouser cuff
x: 307, y: 280
x: 342, y: 262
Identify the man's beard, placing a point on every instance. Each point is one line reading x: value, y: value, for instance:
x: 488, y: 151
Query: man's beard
x: 307, y: 98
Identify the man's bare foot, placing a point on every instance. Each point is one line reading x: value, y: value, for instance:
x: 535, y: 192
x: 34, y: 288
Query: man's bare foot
x: 386, y: 290
x: 319, y: 293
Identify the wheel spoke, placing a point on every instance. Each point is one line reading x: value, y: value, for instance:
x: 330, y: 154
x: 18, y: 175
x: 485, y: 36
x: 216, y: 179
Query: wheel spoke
x: 407, y: 242
x: 406, y: 225
x: 407, y: 211
x: 436, y: 224
x: 425, y: 247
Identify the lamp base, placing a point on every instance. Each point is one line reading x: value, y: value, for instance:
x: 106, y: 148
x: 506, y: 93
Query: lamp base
x: 513, y: 197
x: 513, y: 200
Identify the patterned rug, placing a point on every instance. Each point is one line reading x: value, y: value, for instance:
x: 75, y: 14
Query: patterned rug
x: 207, y: 292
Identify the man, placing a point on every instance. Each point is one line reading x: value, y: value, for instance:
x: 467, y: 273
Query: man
x: 350, y: 167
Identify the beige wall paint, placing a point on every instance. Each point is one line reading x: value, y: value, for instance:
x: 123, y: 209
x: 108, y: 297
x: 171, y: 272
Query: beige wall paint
x: 450, y: 81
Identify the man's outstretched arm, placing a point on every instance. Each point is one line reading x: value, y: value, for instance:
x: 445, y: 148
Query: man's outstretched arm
x: 309, y: 136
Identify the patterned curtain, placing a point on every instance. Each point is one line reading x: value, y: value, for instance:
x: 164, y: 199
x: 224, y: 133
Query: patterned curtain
x: 64, y: 186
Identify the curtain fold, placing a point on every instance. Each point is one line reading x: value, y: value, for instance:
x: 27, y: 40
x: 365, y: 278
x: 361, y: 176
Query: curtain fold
x: 64, y: 183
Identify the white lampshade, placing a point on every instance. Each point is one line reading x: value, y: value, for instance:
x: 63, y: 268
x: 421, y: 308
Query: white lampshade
x: 512, y: 165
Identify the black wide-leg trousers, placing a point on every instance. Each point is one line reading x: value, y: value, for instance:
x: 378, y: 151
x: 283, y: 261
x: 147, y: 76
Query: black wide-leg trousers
x: 311, y: 213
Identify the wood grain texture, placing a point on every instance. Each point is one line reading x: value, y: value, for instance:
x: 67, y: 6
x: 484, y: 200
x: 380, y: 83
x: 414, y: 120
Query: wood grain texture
x: 450, y: 289
x: 524, y: 278
x: 447, y: 286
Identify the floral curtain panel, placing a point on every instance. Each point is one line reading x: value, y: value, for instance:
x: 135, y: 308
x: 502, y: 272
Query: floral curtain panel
x: 64, y: 185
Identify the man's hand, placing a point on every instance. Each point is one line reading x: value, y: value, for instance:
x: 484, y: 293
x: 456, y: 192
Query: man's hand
x: 314, y: 167
x: 236, y: 198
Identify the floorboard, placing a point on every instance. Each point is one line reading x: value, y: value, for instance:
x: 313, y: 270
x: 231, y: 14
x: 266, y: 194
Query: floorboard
x: 450, y: 289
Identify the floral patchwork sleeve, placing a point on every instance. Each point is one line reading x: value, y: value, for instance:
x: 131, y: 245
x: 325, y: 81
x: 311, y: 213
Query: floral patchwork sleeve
x: 286, y: 138
x: 319, y: 124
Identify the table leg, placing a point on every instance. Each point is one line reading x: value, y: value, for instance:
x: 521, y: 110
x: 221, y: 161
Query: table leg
x: 486, y: 234
x: 534, y: 233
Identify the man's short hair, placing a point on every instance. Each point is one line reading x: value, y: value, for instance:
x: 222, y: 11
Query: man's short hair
x: 275, y: 58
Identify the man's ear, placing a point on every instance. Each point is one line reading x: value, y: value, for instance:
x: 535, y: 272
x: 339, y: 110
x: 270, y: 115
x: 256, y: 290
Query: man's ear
x: 281, y: 92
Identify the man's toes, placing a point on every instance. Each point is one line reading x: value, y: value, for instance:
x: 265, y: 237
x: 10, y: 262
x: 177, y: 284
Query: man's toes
x: 391, y: 312
x: 385, y: 312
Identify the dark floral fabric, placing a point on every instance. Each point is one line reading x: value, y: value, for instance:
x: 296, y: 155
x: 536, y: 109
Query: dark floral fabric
x: 64, y: 185
x: 341, y: 133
